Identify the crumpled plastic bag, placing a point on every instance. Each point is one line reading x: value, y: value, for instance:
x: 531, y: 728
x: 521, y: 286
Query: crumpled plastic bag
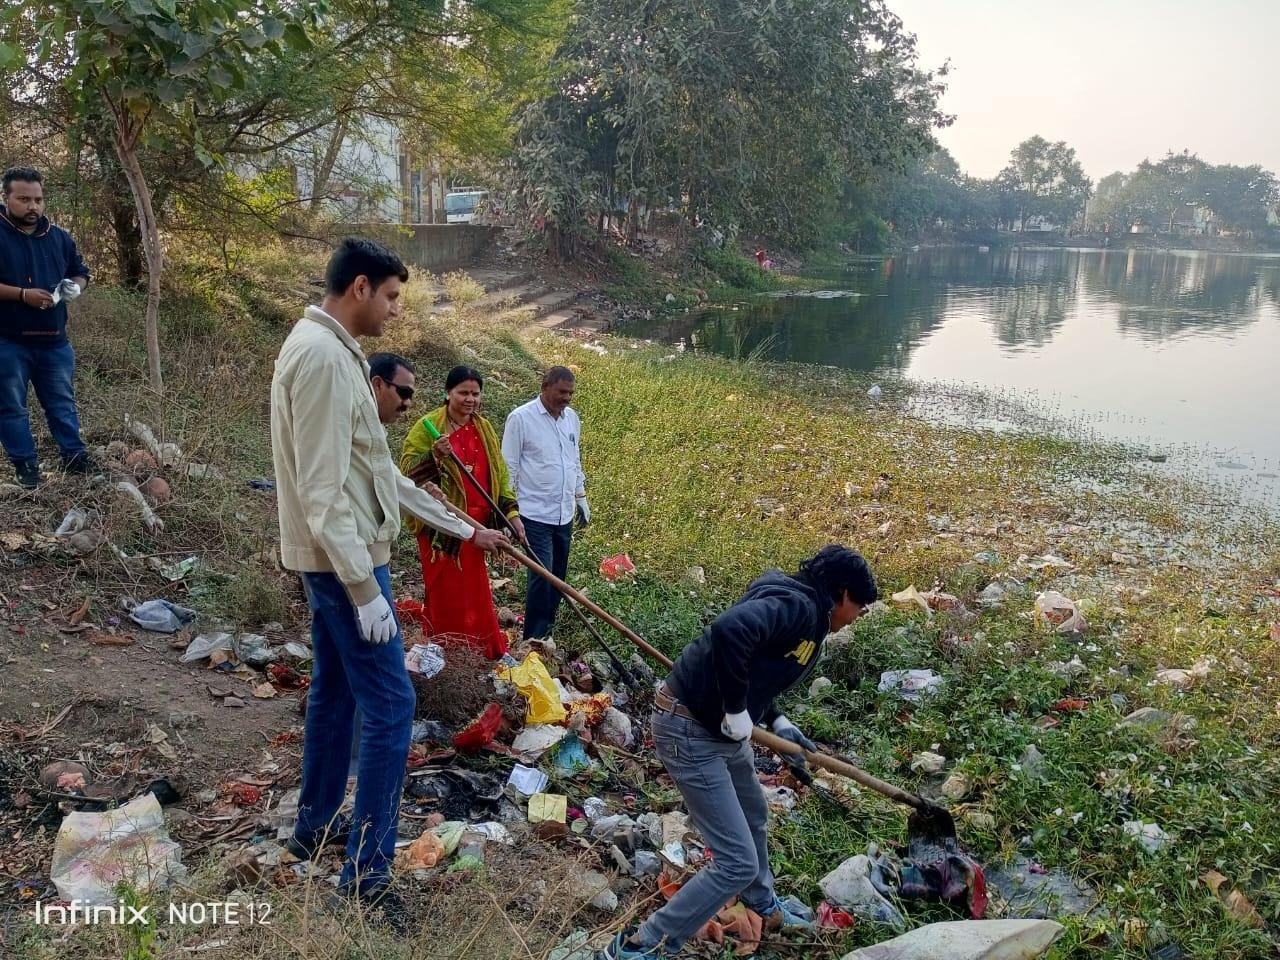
x: 95, y: 851
x: 161, y: 616
x: 532, y: 680
x: 849, y: 885
x: 619, y: 565
x: 1054, y: 611
x: 913, y: 685
x: 206, y: 644
x: 967, y: 940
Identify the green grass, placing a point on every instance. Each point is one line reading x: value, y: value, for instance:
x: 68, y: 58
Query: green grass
x: 697, y: 461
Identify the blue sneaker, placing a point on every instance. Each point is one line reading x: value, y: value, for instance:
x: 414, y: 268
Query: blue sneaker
x: 788, y: 915
x: 619, y: 949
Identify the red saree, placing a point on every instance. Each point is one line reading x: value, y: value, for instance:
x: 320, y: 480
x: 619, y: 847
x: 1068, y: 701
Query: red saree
x: 459, y: 602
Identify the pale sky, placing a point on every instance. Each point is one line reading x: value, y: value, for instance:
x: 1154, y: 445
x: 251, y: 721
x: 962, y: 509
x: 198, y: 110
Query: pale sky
x: 1119, y: 80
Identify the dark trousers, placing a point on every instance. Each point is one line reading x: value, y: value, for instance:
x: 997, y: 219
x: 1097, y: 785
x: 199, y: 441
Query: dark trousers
x: 347, y: 672
x: 550, y: 543
x: 49, y: 370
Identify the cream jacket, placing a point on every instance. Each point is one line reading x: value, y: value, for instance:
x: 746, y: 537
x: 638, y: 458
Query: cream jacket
x: 338, y: 489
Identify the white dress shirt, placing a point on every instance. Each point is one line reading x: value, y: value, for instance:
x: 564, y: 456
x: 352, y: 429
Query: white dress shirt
x: 543, y: 456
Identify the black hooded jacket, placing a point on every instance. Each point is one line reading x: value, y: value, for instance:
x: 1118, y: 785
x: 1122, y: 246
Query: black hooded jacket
x: 761, y: 646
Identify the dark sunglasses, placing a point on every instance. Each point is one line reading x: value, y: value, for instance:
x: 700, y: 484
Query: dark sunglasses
x: 406, y: 393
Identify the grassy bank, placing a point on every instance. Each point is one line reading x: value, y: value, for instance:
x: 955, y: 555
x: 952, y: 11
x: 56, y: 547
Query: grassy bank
x: 695, y: 462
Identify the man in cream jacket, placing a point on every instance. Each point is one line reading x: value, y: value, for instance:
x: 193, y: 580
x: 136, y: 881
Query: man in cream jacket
x: 340, y: 495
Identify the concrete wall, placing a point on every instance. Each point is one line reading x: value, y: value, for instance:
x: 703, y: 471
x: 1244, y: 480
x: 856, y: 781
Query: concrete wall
x: 431, y: 246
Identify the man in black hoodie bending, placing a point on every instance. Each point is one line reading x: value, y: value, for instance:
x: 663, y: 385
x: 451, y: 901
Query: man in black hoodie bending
x: 723, y: 684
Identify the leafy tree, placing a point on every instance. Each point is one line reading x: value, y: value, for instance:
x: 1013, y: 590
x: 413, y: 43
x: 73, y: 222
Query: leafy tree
x: 147, y: 63
x: 1046, y: 180
x: 1240, y: 196
x: 739, y: 114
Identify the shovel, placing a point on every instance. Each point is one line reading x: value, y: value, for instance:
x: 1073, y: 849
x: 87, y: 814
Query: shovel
x: 618, y: 665
x: 929, y: 820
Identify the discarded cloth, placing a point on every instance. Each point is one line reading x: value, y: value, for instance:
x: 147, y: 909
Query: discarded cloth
x: 913, y: 685
x: 161, y: 616
x: 458, y: 793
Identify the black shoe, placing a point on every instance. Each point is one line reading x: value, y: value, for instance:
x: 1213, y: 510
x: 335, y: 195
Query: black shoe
x: 381, y: 904
x: 335, y: 835
x: 28, y: 472
x: 82, y: 464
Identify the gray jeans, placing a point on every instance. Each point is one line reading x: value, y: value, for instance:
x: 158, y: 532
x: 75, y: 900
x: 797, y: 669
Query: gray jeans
x: 726, y: 804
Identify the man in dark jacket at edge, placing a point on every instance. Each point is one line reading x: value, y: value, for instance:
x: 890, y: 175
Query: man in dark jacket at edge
x: 723, y: 684
x: 40, y: 270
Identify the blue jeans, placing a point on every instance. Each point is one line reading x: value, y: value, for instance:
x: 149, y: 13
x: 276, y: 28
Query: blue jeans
x: 49, y: 370
x: 550, y: 543
x: 347, y: 671
x: 726, y: 804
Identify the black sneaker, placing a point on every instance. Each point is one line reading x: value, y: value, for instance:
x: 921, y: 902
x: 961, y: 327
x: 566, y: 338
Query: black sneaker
x: 382, y: 905
x: 334, y: 836
x: 82, y: 464
x: 28, y: 472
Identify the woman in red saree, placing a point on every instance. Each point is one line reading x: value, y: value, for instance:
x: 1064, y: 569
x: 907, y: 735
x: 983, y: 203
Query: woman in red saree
x: 459, y: 601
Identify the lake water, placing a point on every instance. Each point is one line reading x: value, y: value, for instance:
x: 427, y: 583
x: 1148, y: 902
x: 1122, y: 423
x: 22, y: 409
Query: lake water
x: 1176, y: 351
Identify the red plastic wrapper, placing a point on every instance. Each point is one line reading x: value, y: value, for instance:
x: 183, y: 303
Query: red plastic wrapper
x: 480, y: 731
x: 415, y: 610
x: 611, y: 568
x: 834, y: 917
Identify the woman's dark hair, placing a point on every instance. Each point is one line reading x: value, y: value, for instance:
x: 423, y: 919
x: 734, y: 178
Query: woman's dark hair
x: 461, y: 374
x: 835, y: 569
x: 356, y: 257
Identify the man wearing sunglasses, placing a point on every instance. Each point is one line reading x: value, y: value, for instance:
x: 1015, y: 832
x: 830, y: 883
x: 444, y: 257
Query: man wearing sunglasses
x: 393, y: 381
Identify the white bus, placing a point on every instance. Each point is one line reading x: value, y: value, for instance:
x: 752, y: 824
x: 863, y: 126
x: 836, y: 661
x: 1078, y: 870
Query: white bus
x: 460, y: 205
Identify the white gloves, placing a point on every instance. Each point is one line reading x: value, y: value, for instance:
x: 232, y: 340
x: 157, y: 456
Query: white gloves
x: 377, y: 622
x: 70, y: 289
x: 737, y: 726
x: 584, y: 509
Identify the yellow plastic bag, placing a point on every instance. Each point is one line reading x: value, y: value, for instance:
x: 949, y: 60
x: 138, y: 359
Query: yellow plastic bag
x: 532, y: 679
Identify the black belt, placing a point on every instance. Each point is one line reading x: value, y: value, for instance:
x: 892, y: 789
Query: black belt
x: 663, y: 700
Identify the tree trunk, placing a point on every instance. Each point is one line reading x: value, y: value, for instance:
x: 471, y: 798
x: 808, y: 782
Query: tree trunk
x: 124, y: 221
x: 126, y: 142
x: 320, y: 183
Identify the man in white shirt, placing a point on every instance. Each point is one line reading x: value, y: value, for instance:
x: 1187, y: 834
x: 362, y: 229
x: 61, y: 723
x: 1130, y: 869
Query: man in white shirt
x: 541, y: 444
x: 339, y: 497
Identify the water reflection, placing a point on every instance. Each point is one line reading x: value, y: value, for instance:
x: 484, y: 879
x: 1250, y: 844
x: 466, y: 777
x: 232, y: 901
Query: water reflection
x: 1025, y: 295
x: 1159, y: 348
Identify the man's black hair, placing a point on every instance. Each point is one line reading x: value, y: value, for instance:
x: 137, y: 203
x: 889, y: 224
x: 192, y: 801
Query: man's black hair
x: 28, y: 174
x: 556, y: 374
x: 385, y: 365
x: 835, y: 569
x: 357, y: 257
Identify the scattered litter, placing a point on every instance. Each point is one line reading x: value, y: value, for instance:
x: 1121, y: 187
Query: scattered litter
x: 956, y: 787
x: 175, y: 570
x: 1046, y: 564
x: 161, y: 616
x: 299, y: 651
x: 548, y: 806
x: 1032, y: 892
x: 674, y: 829
x: 570, y: 756
x: 528, y: 780
x: 849, y: 885
x: 1237, y: 904
x: 429, y: 731
x: 1149, y: 835
x: 1184, y: 679
x: 593, y: 887
x: 874, y: 391
x: 781, y: 799
x: 992, y: 595
x: 696, y: 575
x: 1055, y: 611
x: 537, y: 738
x: 913, y: 685
x: 95, y: 852
x: 967, y: 940
x: 423, y: 853
x: 615, y: 729
x: 819, y: 686
x: 64, y: 776
x: 1152, y: 718
x: 426, y: 659
x: 79, y: 531
x: 619, y: 565
x: 1032, y: 761
x: 1069, y: 670
x: 205, y: 645
x: 833, y: 918
x: 265, y: 484
x: 253, y: 649
x: 573, y: 947
x: 928, y: 762
x: 150, y: 520
x: 911, y: 599
x: 264, y: 691
x: 531, y: 678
